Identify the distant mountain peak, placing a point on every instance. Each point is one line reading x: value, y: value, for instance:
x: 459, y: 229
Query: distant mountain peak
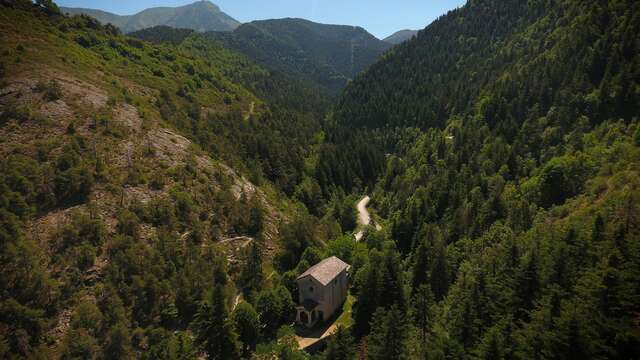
x: 206, y: 4
x: 202, y: 16
x: 400, y: 36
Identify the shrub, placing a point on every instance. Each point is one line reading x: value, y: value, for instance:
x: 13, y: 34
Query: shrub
x: 128, y: 224
x: 562, y: 178
x: 85, y: 256
x: 87, y: 41
x: 157, y: 181
x: 74, y: 184
x: 52, y: 90
x: 19, y: 113
x: 49, y: 7
x: 135, y: 43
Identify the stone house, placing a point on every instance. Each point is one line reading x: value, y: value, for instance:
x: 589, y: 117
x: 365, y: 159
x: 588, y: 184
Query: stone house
x: 322, y: 289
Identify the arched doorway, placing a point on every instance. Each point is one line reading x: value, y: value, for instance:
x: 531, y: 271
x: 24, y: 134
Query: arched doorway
x: 304, y: 317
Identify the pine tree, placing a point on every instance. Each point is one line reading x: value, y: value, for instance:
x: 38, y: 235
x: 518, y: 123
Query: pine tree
x: 392, y: 280
x: 421, y: 310
x: 341, y: 345
x: 247, y: 324
x: 388, y: 335
x: 368, y: 296
x: 215, y: 329
x: 420, y: 267
x: 439, y: 271
x: 252, y: 275
x: 118, y: 344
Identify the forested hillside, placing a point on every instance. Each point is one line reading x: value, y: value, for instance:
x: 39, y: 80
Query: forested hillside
x: 326, y: 55
x: 141, y: 186
x: 160, y: 193
x: 510, y: 185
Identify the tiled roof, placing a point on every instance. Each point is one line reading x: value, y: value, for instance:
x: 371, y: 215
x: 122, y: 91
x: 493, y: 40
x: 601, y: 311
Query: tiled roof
x: 326, y: 270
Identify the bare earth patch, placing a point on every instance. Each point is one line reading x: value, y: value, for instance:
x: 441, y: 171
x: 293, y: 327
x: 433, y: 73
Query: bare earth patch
x: 56, y: 110
x: 127, y: 116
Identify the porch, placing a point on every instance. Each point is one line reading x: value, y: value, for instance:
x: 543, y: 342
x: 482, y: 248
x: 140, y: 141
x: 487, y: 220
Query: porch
x: 308, y: 315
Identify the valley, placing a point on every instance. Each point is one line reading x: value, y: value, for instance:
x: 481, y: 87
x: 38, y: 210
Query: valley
x: 176, y: 184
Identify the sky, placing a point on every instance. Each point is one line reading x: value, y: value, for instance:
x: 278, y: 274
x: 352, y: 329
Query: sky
x: 380, y: 17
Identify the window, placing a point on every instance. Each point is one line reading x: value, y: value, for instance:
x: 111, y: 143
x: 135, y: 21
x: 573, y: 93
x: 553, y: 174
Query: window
x: 310, y: 288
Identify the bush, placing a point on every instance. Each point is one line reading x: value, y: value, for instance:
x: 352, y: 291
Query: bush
x: 87, y: 41
x: 52, y: 90
x: 79, y: 344
x: 128, y: 224
x: 74, y: 185
x: 157, y: 181
x: 563, y: 178
x: 87, y: 316
x: 49, y: 7
x: 84, y: 255
x: 20, y: 113
x: 83, y: 229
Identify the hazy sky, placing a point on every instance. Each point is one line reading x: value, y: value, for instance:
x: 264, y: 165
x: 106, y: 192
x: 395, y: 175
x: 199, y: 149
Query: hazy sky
x: 380, y: 17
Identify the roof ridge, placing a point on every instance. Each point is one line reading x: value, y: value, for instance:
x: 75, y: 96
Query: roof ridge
x: 325, y: 270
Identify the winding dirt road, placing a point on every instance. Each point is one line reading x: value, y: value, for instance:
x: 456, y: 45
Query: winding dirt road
x: 364, y: 218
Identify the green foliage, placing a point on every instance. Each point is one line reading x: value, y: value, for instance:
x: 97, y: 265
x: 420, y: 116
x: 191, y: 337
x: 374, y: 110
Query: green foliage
x: 286, y: 347
x: 503, y: 155
x: 340, y: 346
x: 252, y: 276
x: 506, y: 204
x: 79, y: 344
x: 118, y: 345
x: 162, y: 34
x: 379, y: 284
x: 275, y: 308
x: 563, y: 178
x: 295, y: 238
x: 388, y: 336
x: 48, y: 6
x: 215, y: 329
x: 87, y: 316
x: 247, y: 325
x: 128, y: 224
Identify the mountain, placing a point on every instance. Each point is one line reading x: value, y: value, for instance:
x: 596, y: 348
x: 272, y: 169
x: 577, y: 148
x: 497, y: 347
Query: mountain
x: 161, y: 194
x: 200, y: 16
x: 502, y: 146
x: 327, y: 55
x: 127, y: 162
x: 400, y: 36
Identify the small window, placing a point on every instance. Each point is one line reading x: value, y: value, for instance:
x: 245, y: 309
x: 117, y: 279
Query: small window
x: 310, y: 288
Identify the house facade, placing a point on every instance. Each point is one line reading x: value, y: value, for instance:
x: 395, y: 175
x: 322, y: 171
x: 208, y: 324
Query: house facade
x: 322, y: 289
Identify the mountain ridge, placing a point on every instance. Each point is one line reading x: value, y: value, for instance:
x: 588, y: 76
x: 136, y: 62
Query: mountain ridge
x: 328, y: 55
x: 400, y: 36
x: 200, y: 16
